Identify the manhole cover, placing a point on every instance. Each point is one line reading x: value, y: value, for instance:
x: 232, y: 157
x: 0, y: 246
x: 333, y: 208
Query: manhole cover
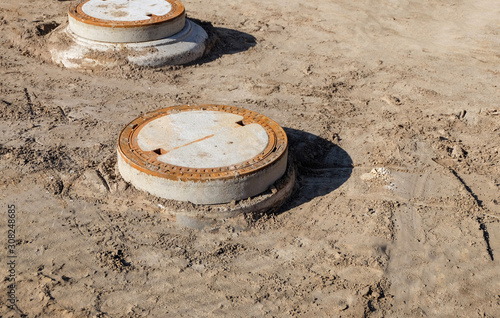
x: 126, y: 20
x: 204, y: 154
x: 106, y: 33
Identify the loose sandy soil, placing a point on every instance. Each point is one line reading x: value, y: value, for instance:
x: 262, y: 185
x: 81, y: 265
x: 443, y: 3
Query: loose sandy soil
x: 392, y: 109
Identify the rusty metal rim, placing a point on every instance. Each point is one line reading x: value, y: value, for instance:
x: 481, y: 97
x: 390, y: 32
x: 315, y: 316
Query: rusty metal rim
x: 77, y: 13
x: 145, y: 161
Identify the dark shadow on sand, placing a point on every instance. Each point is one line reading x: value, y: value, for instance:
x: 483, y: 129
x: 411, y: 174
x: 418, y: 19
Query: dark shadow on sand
x: 321, y: 165
x: 222, y: 41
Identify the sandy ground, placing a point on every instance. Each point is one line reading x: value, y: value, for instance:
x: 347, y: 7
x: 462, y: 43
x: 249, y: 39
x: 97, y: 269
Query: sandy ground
x: 392, y: 109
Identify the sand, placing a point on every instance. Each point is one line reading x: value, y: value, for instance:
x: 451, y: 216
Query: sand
x: 392, y: 110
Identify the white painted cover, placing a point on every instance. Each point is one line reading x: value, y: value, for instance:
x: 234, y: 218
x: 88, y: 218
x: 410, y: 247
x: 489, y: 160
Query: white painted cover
x: 203, y: 139
x: 126, y: 10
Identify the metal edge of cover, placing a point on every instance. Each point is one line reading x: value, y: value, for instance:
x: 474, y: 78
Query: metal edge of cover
x: 145, y: 161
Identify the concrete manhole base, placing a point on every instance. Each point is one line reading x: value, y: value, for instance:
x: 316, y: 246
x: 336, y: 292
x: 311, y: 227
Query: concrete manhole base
x: 200, y: 216
x: 148, y: 33
x: 77, y: 52
x: 209, y: 157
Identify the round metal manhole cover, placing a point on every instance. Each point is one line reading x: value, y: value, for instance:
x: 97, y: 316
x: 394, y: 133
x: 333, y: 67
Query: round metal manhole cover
x: 126, y: 20
x: 204, y: 154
